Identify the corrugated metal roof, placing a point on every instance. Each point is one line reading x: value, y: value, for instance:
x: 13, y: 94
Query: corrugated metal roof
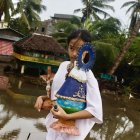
x: 4, y: 29
x: 11, y: 38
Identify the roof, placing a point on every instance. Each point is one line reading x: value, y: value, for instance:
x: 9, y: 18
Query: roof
x: 62, y: 16
x: 11, y: 30
x: 38, y: 42
x: 10, y: 38
x: 10, y: 34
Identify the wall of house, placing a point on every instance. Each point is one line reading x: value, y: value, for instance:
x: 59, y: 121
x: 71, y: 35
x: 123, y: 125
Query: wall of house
x: 6, y: 47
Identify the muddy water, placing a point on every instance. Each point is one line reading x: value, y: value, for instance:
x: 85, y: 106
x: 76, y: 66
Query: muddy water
x: 20, y: 121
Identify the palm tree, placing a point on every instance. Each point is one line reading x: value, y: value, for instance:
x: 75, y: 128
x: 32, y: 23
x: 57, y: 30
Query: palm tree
x: 105, y: 36
x: 105, y: 29
x: 134, y: 6
x: 18, y: 24
x: 29, y: 10
x: 135, y: 25
x: 92, y: 9
x: 133, y: 55
x: 5, y: 7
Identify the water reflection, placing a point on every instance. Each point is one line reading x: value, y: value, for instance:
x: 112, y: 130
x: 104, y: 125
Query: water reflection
x: 121, y: 120
x: 19, y: 119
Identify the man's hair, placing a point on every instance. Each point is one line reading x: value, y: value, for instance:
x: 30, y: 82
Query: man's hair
x: 81, y: 34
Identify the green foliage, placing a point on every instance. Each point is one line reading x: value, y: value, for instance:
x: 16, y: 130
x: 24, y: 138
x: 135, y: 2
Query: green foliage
x: 19, y: 25
x: 127, y: 90
x: 105, y: 29
x: 61, y: 37
x: 63, y: 28
x: 76, y: 20
x: 105, y: 55
x: 133, y: 54
x: 135, y: 85
x: 105, y: 34
x: 116, y: 40
x: 29, y: 11
x: 93, y: 9
x: 59, y: 34
x: 5, y: 7
x: 134, y: 8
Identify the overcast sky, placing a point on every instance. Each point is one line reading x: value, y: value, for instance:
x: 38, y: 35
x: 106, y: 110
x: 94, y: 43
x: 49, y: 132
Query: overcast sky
x: 68, y: 6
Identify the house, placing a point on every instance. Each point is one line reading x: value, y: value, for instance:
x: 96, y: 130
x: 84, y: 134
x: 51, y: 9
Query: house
x: 37, y: 52
x: 57, y: 17
x: 47, y: 28
x: 7, y: 37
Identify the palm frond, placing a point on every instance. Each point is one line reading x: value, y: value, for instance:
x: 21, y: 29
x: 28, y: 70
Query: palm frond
x: 126, y: 4
x: 100, y: 11
x: 94, y: 7
x: 77, y: 10
x: 131, y: 8
x: 108, y: 7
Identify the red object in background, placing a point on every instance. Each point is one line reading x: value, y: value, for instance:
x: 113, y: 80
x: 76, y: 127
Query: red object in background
x: 4, y: 82
x: 6, y: 47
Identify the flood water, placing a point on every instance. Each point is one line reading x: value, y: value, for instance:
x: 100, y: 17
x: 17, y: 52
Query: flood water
x: 20, y: 121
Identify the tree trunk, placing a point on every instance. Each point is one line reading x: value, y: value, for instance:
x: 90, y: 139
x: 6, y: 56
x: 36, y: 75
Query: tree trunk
x: 125, y: 48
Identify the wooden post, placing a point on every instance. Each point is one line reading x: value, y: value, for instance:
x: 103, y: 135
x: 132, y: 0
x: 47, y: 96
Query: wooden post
x: 22, y: 69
